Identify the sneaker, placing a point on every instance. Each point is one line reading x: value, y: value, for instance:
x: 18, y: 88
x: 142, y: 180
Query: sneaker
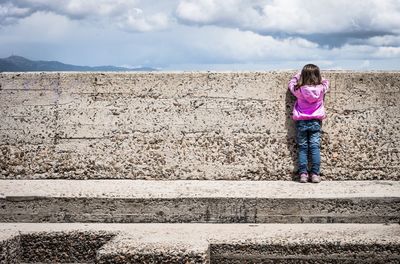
x: 315, y: 178
x: 303, y: 177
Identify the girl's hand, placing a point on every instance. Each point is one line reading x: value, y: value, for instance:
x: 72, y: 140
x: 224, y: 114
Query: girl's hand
x: 293, y: 83
x: 325, y: 83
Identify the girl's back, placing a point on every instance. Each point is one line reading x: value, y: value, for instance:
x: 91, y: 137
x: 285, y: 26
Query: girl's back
x: 310, y: 96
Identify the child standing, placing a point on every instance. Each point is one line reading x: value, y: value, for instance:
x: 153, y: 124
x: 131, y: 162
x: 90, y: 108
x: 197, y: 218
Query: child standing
x: 308, y: 112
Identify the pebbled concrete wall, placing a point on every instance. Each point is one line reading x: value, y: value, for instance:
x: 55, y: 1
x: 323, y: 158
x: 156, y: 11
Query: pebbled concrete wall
x: 201, y: 125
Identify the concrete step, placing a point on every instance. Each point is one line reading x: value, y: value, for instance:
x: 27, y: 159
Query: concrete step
x: 199, y: 243
x: 146, y: 201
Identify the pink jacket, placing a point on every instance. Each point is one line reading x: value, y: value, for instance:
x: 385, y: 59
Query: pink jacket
x: 310, y: 99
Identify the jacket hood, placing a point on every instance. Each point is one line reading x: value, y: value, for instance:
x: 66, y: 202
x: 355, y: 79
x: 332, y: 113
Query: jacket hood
x: 311, y: 93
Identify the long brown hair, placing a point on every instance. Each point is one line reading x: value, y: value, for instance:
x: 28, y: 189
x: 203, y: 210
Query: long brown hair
x: 310, y: 75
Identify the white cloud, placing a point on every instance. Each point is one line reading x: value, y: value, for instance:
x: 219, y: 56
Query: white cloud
x: 386, y: 40
x: 295, y: 16
x: 350, y: 51
x: 76, y: 9
x: 232, y: 45
x: 209, y: 11
x: 40, y: 27
x: 123, y: 13
x: 10, y: 14
x: 261, y: 16
x: 387, y: 52
x: 135, y: 20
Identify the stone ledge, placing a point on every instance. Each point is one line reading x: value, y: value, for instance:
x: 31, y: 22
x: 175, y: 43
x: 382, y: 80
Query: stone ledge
x: 199, y: 201
x: 214, y: 243
x: 31, y: 189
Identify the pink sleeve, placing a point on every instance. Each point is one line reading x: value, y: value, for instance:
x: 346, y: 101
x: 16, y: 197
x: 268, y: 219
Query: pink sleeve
x: 325, y: 84
x: 293, y: 82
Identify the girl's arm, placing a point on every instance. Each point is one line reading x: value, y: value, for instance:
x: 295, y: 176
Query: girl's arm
x: 325, y: 84
x: 293, y: 82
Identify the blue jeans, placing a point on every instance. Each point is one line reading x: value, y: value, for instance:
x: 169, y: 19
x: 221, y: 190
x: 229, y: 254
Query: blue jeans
x: 308, y: 134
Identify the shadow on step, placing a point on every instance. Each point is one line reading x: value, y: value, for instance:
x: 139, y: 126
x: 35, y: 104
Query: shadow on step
x: 54, y: 247
x: 304, y: 253
x: 201, y: 210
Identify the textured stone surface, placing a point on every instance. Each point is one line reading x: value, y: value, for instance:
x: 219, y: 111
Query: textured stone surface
x: 61, y: 247
x: 180, y: 248
x: 211, y: 243
x: 199, y: 201
x: 9, y: 246
x: 191, y: 126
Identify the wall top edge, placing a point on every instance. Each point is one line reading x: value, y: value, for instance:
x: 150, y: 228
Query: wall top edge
x: 184, y: 72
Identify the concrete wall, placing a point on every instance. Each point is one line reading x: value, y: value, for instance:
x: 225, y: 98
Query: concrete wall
x: 191, y: 126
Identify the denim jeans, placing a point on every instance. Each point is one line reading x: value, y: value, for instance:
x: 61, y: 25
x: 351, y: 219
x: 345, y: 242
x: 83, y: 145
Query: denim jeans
x: 308, y: 134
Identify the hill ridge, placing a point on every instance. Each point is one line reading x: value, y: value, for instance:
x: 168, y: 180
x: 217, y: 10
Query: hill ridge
x: 15, y: 63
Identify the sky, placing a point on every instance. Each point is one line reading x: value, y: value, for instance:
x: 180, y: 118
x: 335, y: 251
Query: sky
x: 203, y: 35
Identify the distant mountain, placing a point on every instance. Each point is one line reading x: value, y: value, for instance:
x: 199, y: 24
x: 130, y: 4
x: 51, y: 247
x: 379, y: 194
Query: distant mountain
x: 21, y: 64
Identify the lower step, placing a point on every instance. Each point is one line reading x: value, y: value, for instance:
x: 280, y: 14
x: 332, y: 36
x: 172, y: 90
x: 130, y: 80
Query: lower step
x: 136, y: 201
x: 199, y: 243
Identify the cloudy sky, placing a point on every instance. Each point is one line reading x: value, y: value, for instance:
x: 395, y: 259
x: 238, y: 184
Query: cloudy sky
x: 205, y: 34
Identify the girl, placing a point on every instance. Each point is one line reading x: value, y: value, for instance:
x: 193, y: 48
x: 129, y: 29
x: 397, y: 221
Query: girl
x: 309, y: 89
